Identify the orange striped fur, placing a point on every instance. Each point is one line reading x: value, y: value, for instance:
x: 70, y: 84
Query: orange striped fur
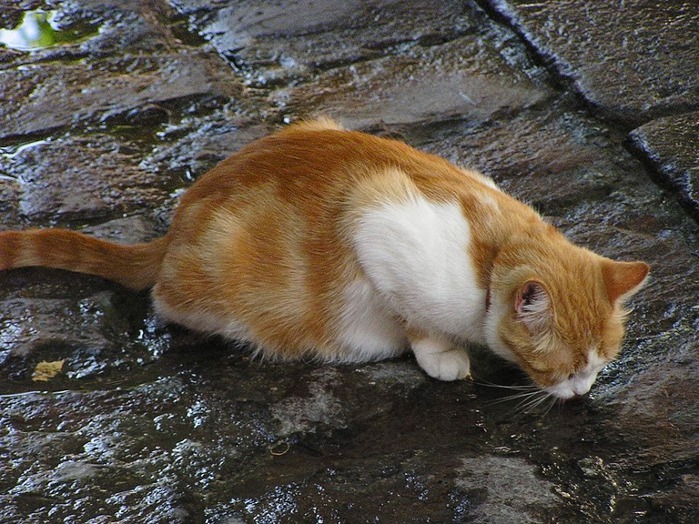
x: 315, y: 241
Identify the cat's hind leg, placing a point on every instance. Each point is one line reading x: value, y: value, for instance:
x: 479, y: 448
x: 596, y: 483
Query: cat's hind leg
x: 439, y: 357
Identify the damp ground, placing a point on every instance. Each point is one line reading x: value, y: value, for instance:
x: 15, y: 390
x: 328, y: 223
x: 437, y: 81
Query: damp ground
x: 111, y: 108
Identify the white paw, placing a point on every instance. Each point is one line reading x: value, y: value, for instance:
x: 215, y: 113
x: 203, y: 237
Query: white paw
x: 441, y: 361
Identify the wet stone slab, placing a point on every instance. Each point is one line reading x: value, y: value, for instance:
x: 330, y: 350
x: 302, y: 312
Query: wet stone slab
x: 140, y: 76
x: 278, y: 42
x: 388, y: 63
x: 153, y: 87
x: 81, y: 178
x: 516, y: 494
x: 629, y: 59
x: 151, y: 423
x: 671, y: 146
x: 197, y: 144
x: 466, y: 78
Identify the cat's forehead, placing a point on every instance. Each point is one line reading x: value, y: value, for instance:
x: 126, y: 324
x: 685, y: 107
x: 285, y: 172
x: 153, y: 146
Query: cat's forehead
x: 565, y: 359
x: 581, y: 316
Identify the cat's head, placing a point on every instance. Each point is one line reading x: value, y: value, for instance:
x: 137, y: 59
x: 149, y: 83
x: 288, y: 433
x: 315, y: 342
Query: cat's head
x: 557, y: 310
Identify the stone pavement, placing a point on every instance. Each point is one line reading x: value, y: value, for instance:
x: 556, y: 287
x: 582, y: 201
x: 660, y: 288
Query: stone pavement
x: 587, y: 110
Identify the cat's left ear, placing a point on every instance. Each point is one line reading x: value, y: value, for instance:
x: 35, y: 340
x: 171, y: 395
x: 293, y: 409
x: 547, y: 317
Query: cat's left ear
x: 623, y: 279
x: 533, y: 306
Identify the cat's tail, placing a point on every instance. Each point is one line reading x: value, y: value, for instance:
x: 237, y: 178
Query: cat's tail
x: 133, y: 265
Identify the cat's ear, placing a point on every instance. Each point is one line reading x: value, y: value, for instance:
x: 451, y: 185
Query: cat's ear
x: 623, y: 279
x: 533, y: 306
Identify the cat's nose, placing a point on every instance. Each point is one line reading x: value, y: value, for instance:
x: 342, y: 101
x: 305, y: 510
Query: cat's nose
x: 571, y: 389
x: 582, y: 382
x: 580, y: 389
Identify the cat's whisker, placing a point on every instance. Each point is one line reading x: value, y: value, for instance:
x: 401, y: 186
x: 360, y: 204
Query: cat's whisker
x: 553, y: 402
x: 528, y: 397
x: 521, y: 387
x: 537, y: 402
x: 525, y: 399
x: 526, y: 404
x: 529, y: 401
x: 516, y: 396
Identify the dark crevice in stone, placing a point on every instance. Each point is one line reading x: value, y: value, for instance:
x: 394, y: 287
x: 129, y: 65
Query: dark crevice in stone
x: 664, y: 175
x: 657, y: 173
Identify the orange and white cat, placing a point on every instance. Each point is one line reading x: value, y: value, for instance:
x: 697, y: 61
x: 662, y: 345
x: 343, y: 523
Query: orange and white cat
x: 318, y: 241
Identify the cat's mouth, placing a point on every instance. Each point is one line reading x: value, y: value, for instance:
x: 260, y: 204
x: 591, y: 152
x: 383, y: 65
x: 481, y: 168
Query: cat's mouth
x: 574, y: 386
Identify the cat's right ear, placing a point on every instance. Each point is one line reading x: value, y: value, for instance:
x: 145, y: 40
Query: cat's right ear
x: 533, y: 306
x: 623, y: 279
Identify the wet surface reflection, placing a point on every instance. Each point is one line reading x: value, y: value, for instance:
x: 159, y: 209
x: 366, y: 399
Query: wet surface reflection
x: 40, y: 30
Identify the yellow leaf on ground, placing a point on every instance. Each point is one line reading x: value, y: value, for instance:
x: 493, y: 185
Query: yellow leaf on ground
x: 46, y: 370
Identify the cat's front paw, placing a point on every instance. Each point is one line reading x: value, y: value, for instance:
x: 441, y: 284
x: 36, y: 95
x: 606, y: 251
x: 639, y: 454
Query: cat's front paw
x: 441, y: 360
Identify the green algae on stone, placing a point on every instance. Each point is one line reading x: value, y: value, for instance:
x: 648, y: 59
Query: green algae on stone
x: 39, y: 30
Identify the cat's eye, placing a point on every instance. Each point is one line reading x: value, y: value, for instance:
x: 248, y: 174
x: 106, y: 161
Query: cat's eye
x: 571, y: 376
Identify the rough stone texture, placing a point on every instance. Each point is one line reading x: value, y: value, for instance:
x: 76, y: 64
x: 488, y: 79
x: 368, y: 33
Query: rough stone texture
x: 92, y: 95
x: 464, y: 78
x: 513, y: 495
x: 107, y: 173
x: 150, y: 423
x: 274, y: 42
x: 671, y: 146
x: 628, y: 59
x: 151, y: 76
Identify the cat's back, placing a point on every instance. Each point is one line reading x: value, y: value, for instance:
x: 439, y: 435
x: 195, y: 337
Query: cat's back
x: 321, y: 161
x: 310, y: 183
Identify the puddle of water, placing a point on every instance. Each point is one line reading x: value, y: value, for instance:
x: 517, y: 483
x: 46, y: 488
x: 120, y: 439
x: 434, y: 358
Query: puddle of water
x: 39, y: 30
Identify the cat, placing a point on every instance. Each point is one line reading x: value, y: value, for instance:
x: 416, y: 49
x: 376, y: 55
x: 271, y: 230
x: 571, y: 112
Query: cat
x: 318, y: 241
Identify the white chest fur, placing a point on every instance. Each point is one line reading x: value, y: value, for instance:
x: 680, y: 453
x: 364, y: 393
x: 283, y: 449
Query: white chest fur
x: 416, y: 256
